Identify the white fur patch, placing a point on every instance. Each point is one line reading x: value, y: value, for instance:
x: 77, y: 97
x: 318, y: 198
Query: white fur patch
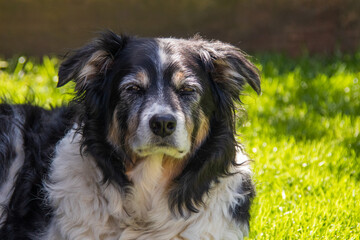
x: 174, y: 56
x: 75, y: 190
x: 87, y: 209
x: 163, y: 56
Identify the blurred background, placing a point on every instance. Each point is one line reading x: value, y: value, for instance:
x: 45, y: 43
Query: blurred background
x: 288, y: 26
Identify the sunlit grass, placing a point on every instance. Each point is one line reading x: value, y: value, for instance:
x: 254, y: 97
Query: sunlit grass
x: 23, y: 80
x: 303, y: 133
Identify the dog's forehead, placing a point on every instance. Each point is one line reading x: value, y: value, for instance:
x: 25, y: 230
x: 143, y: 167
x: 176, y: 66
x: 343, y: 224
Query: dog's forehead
x: 172, y: 49
x: 163, y: 50
x: 154, y: 58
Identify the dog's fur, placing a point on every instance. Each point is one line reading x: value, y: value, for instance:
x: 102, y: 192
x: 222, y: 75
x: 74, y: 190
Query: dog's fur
x: 146, y: 150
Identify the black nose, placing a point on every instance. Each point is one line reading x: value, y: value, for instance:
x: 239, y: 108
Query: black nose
x: 162, y: 125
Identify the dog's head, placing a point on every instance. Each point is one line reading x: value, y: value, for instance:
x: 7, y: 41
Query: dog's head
x: 164, y: 96
x: 158, y: 95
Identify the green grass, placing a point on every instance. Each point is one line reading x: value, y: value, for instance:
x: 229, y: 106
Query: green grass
x: 23, y: 80
x: 303, y: 133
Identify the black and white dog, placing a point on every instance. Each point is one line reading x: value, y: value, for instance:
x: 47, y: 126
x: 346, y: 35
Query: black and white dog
x: 145, y: 151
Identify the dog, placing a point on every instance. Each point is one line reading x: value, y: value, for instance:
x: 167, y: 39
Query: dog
x: 146, y: 150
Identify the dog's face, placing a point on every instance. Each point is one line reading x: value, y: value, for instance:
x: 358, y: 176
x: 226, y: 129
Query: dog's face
x: 160, y: 93
x: 158, y: 96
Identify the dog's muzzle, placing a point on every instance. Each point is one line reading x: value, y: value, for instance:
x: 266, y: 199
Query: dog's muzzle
x: 161, y: 131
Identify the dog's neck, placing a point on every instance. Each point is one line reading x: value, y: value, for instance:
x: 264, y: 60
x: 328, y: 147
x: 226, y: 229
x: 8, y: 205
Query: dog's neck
x: 147, y: 172
x: 152, y: 176
x: 148, y: 185
x: 157, y: 164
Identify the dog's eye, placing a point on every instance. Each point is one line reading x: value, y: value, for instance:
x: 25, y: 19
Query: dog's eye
x: 133, y: 88
x: 187, y: 90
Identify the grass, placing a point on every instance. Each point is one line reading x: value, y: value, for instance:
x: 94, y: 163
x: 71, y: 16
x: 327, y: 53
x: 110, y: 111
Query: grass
x: 303, y: 133
x: 24, y: 80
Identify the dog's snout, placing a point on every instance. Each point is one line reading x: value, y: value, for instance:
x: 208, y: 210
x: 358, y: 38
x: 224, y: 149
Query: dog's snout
x: 162, y: 125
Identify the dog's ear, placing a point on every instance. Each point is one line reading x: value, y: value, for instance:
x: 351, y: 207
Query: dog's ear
x: 91, y: 61
x: 229, y: 67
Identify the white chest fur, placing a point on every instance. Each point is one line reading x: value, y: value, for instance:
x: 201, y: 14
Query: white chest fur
x: 87, y: 209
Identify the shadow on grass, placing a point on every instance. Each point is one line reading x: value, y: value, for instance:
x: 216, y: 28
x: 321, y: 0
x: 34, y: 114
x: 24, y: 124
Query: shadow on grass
x: 310, y: 106
x: 274, y: 64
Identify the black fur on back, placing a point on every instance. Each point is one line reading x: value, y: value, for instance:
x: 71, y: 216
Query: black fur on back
x: 40, y: 129
x: 7, y: 145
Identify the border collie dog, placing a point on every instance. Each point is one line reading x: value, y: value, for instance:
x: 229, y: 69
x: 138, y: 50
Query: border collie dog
x: 146, y: 150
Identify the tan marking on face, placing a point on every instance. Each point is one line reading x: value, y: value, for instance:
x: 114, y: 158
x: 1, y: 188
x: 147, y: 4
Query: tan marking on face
x: 189, y: 124
x: 130, y: 134
x: 143, y: 78
x: 114, y: 138
x: 202, y: 132
x: 114, y: 131
x: 132, y: 125
x: 178, y: 78
x: 131, y: 131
